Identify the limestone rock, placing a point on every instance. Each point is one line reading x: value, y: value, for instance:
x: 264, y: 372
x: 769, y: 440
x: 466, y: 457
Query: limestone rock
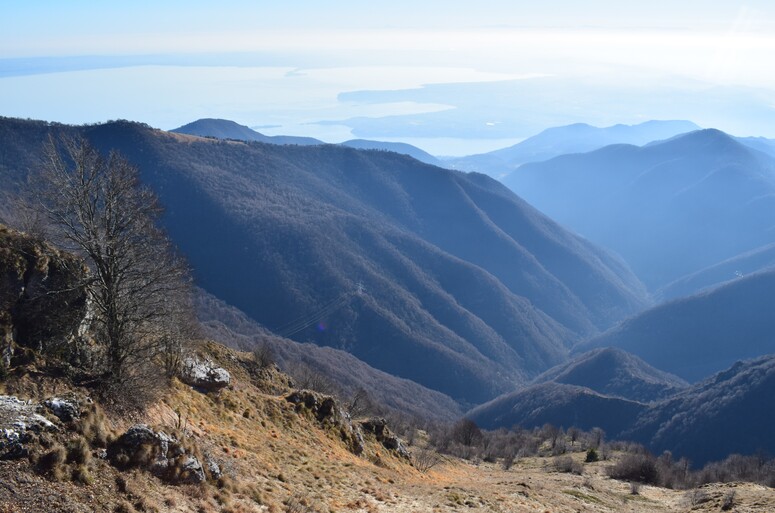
x: 378, y: 427
x: 64, y: 409
x: 204, y: 374
x: 42, y: 293
x: 328, y: 413
x: 18, y: 421
x: 159, y: 453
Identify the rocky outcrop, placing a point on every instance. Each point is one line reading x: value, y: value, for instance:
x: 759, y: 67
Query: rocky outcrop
x: 378, y: 427
x: 159, y: 453
x: 65, y: 410
x: 204, y: 374
x: 328, y: 413
x: 19, y: 420
x: 42, y: 294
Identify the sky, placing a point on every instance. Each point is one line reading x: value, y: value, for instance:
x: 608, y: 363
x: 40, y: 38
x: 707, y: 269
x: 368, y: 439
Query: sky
x: 452, y: 77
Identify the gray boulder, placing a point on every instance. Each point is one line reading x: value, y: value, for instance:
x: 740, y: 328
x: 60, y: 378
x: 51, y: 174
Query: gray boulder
x: 64, y: 409
x: 19, y: 420
x: 159, y: 453
x: 204, y: 374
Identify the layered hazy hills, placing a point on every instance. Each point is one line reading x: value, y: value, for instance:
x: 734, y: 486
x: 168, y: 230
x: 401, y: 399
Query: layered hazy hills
x: 695, y: 336
x: 749, y: 262
x: 576, y: 138
x: 611, y: 371
x: 724, y: 414
x: 604, y: 388
x: 560, y: 405
x: 226, y: 129
x: 670, y: 209
x: 446, y: 279
x: 397, y: 147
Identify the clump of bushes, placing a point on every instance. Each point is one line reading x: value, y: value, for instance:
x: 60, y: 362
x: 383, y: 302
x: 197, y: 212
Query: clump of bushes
x: 640, y: 468
x: 567, y: 465
x: 69, y: 461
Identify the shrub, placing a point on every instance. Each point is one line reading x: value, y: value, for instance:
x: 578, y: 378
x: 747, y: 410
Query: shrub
x: 78, y: 451
x: 728, y: 501
x: 640, y: 468
x: 425, y: 459
x: 263, y: 355
x: 53, y: 461
x: 591, y: 456
x: 568, y: 465
x: 82, y: 475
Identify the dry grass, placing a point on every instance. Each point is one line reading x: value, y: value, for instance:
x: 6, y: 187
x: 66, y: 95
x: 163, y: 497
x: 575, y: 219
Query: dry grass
x: 275, y: 460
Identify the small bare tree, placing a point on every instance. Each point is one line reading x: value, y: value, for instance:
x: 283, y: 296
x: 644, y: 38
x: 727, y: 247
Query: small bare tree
x: 466, y: 432
x: 137, y: 286
x: 425, y: 459
x: 360, y: 403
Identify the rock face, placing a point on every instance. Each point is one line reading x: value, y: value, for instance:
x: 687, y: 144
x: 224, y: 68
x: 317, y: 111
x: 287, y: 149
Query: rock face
x: 378, y: 427
x: 161, y: 454
x: 64, y: 409
x: 329, y: 414
x: 42, y: 297
x: 204, y: 374
x: 18, y: 421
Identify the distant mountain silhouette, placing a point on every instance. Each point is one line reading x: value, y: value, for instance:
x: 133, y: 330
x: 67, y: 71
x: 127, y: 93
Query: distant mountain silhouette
x: 446, y: 279
x: 397, y: 147
x: 705, y: 333
x: 576, y: 138
x: 616, y: 373
x: 226, y: 129
x: 727, y: 413
x: 670, y: 209
x: 759, y: 143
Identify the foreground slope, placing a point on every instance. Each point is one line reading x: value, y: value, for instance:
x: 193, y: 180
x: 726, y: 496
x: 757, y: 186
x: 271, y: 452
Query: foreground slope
x: 670, y: 209
x: 347, y: 374
x: 696, y: 336
x: 442, y: 278
x: 280, y: 458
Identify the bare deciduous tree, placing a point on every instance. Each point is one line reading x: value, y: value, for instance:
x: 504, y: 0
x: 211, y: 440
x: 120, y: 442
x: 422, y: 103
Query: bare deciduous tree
x: 466, y: 432
x: 137, y: 287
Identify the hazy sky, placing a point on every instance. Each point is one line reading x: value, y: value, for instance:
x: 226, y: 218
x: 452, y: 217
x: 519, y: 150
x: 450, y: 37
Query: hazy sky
x: 286, y: 66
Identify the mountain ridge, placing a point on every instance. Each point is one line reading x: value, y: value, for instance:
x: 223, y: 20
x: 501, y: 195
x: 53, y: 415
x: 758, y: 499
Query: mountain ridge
x: 669, y: 209
x: 700, y: 334
x: 304, y: 225
x: 567, y: 139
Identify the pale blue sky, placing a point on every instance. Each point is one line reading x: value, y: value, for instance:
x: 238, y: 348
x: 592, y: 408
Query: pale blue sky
x: 286, y: 62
